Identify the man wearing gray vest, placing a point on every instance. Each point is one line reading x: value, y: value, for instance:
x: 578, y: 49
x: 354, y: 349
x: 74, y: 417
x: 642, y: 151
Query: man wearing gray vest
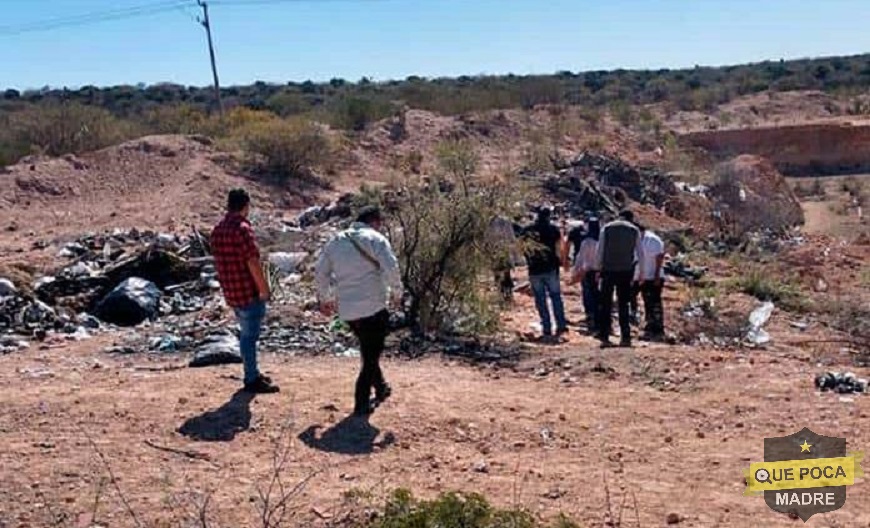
x: 618, y: 254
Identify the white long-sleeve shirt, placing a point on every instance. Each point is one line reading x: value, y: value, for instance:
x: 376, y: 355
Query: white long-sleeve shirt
x: 587, y: 257
x: 344, y: 275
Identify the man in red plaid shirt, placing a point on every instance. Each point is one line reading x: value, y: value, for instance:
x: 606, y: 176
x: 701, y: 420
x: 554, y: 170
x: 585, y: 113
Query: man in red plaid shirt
x: 240, y: 273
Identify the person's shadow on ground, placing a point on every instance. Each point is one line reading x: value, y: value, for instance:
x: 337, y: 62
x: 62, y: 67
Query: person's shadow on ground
x: 352, y: 436
x: 223, y: 423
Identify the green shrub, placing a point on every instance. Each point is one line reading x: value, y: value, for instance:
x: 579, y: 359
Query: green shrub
x: 176, y: 119
x: 455, y: 510
x: 356, y: 113
x: 286, y: 151
x: 440, y: 229
x: 766, y: 285
x: 62, y: 128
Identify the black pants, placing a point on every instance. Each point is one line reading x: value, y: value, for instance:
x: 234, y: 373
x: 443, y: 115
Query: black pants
x: 372, y: 335
x: 620, y: 281
x: 505, y: 283
x: 591, y: 300
x: 653, y: 308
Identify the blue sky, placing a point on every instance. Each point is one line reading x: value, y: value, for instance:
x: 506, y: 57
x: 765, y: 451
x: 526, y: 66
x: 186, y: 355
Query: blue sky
x: 388, y: 39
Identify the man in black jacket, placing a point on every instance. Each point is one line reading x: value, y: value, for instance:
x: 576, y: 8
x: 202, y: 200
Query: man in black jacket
x: 542, y: 253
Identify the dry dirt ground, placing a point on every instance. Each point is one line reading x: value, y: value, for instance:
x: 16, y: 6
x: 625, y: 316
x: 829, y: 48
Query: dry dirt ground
x: 830, y: 214
x: 569, y: 429
x: 653, y: 431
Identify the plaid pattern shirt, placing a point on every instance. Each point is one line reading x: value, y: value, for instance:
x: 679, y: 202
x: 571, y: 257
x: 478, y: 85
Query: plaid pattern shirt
x: 233, y: 245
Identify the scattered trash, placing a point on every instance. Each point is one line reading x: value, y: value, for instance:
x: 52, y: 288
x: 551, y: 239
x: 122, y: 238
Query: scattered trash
x: 167, y: 343
x: 7, y: 289
x: 340, y: 350
x: 757, y: 319
x: 130, y: 303
x: 799, y: 325
x: 287, y: 263
x: 217, y: 349
x: 677, y: 267
x: 841, y: 383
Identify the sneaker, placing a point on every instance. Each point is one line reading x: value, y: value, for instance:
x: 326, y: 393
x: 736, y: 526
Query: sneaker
x: 262, y: 385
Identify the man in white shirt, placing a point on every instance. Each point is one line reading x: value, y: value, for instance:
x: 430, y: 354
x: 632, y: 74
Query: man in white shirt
x: 358, y: 273
x: 586, y: 272
x: 652, y: 279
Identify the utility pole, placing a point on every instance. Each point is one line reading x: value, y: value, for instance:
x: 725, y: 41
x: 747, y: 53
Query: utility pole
x: 207, y: 25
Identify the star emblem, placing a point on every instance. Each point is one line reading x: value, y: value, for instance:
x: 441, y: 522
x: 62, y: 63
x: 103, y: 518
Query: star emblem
x: 805, y: 447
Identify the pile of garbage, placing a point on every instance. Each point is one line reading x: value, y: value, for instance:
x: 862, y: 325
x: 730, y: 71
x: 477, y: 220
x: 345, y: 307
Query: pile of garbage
x: 121, y: 278
x: 602, y: 184
x: 841, y: 383
x: 317, y: 215
x: 645, y: 185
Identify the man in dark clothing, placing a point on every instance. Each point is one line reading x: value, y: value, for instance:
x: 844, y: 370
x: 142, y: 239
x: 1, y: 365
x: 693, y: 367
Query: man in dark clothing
x: 575, y: 233
x: 542, y: 254
x: 618, y: 254
x: 240, y: 273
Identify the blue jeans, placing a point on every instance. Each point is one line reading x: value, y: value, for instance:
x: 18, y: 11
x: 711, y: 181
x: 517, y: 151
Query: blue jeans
x: 250, y: 323
x: 542, y: 286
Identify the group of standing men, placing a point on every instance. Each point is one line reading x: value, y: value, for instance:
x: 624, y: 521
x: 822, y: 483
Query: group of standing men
x: 622, y: 257
x: 358, y: 279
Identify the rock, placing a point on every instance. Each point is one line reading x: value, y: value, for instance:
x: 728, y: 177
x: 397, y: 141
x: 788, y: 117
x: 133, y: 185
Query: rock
x: 130, y: 303
x: 7, y: 288
x: 88, y: 321
x: 481, y: 467
x: 217, y: 349
x: 674, y: 518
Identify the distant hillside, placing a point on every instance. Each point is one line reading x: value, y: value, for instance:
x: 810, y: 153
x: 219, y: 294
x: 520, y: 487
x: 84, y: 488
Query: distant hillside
x: 56, y: 121
x: 690, y: 89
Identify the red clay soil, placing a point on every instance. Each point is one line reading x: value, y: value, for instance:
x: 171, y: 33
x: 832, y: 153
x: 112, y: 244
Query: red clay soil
x: 668, y: 428
x: 796, y: 150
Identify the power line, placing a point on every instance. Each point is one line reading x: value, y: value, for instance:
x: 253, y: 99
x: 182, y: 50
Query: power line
x: 243, y: 3
x: 94, y: 17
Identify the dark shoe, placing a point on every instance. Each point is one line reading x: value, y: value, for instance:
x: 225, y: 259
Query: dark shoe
x: 262, y: 385
x: 383, y: 395
x: 562, y: 331
x: 653, y: 337
x: 625, y: 343
x: 605, y: 343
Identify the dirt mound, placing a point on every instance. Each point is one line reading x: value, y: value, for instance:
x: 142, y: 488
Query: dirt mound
x: 796, y: 150
x: 152, y: 182
x: 751, y: 194
x: 504, y: 140
x: 762, y: 109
